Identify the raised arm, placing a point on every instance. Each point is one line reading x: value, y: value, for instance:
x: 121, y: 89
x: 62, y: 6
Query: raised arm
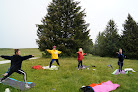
x: 6, y: 57
x: 119, y: 54
x: 27, y: 57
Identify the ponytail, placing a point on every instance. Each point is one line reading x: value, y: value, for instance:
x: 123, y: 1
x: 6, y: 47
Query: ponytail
x: 16, y: 50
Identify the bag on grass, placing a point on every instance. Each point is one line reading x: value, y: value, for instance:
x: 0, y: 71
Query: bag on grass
x: 86, y: 89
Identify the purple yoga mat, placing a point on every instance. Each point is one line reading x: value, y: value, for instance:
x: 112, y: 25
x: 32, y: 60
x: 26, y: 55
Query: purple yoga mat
x: 17, y: 84
x: 117, y: 72
x: 84, y: 67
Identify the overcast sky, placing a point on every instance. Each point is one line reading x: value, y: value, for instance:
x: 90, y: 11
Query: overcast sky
x: 19, y: 17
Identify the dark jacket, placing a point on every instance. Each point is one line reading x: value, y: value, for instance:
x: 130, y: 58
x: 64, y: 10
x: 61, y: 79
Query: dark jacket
x: 120, y: 58
x: 16, y: 61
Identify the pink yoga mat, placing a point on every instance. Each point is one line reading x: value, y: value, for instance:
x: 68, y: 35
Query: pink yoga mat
x: 105, y: 87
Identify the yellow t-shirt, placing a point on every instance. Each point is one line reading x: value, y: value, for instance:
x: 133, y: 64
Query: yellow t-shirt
x: 54, y: 53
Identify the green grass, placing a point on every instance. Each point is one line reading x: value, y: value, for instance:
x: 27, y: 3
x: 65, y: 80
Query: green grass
x: 69, y: 79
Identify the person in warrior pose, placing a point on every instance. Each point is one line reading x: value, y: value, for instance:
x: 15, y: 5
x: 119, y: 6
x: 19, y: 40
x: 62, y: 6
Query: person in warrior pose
x: 16, y: 63
x: 54, y: 55
x: 120, y: 59
x: 80, y: 57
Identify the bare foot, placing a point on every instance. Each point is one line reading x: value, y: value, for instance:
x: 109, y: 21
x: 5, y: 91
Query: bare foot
x: 5, y: 74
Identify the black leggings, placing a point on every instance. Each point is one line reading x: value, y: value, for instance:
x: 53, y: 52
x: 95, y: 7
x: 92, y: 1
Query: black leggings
x: 19, y: 71
x: 120, y: 65
x: 79, y: 62
x: 53, y: 61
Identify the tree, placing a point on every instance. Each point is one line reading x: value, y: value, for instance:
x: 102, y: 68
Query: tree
x: 107, y: 42
x: 65, y: 27
x: 99, y: 45
x: 111, y: 38
x: 130, y: 38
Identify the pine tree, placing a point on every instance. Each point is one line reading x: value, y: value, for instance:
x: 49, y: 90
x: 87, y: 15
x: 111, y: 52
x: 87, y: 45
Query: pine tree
x: 107, y: 42
x: 112, y: 38
x: 130, y: 38
x: 65, y: 27
x: 100, y: 44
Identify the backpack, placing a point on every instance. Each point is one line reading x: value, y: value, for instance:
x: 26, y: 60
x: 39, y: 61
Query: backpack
x: 86, y: 89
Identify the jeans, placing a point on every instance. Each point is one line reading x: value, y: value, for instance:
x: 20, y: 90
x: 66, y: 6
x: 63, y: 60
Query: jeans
x: 120, y: 65
x: 79, y: 62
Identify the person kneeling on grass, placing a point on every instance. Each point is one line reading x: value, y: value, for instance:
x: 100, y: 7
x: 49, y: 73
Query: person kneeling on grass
x: 80, y: 57
x: 16, y: 62
x: 120, y: 59
x: 54, y: 55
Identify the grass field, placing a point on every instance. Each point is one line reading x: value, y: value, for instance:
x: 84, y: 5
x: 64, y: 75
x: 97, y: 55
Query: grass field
x: 69, y: 79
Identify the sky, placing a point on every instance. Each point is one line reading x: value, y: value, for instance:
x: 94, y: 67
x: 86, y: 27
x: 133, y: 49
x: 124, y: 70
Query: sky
x: 18, y: 18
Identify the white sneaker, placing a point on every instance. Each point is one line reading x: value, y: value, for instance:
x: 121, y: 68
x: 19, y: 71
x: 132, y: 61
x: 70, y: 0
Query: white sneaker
x: 2, y: 81
x: 27, y: 86
x: 7, y: 90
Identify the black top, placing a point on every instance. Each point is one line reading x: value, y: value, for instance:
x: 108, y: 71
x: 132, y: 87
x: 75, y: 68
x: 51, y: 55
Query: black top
x: 16, y: 60
x: 121, y: 57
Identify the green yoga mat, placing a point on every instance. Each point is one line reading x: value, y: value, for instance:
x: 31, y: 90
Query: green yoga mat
x: 115, y: 71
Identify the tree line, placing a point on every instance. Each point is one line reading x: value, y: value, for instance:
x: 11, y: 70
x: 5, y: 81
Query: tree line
x: 109, y: 41
x: 64, y: 26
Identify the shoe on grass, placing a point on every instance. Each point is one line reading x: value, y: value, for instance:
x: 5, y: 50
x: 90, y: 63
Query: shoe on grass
x: 27, y: 86
x: 2, y: 81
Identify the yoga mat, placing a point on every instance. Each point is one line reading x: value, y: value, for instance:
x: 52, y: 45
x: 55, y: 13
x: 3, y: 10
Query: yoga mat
x: 17, y: 84
x: 83, y: 67
x: 117, y: 72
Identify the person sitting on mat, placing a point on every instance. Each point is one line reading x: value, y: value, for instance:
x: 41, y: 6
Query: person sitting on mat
x: 54, y: 55
x: 120, y: 59
x: 16, y: 63
x: 80, y: 57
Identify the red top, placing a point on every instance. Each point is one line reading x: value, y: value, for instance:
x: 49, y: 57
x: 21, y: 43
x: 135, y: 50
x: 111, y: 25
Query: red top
x: 80, y: 55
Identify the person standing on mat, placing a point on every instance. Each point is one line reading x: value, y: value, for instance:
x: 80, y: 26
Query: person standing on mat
x: 16, y: 63
x: 54, y: 55
x: 80, y: 57
x: 120, y: 59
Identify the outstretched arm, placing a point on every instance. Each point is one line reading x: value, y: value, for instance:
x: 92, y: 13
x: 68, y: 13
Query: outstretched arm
x: 48, y: 50
x: 6, y: 57
x: 119, y: 54
x: 59, y: 52
x: 27, y: 57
